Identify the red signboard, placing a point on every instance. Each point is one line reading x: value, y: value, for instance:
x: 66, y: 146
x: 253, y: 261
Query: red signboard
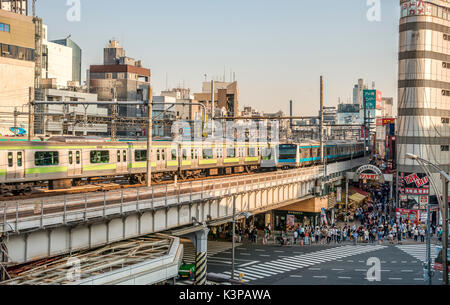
x: 388, y: 121
x: 379, y: 100
x: 413, y: 191
x: 368, y: 177
x: 406, y: 214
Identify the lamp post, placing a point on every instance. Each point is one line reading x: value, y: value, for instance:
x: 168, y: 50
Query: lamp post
x: 247, y: 215
x: 443, y: 204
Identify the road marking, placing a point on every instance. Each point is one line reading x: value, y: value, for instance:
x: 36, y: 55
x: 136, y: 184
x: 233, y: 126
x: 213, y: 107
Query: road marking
x: 299, y: 276
x: 344, y: 277
x: 406, y: 271
x: 395, y: 278
x: 419, y: 279
x: 404, y: 262
x: 265, y: 255
x: 339, y: 260
x: 385, y: 270
x: 394, y: 262
x: 279, y: 251
x: 244, y: 254
x: 320, y: 276
x: 361, y: 261
x: 260, y: 250
x: 383, y: 262
x: 337, y: 269
x: 360, y: 270
x: 248, y: 264
x: 315, y: 269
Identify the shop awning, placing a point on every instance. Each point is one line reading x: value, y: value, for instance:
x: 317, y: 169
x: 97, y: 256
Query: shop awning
x: 357, y: 198
x: 359, y: 191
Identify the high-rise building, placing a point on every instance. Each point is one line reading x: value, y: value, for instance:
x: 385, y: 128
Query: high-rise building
x: 423, y: 90
x: 358, y: 90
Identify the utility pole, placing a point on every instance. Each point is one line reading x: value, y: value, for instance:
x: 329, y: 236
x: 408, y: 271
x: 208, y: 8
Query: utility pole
x: 114, y: 115
x: 365, y: 126
x: 212, y: 107
x: 149, y: 137
x: 30, y: 114
x: 445, y: 231
x: 321, y: 121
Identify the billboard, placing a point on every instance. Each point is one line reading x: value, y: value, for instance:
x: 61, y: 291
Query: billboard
x: 373, y: 99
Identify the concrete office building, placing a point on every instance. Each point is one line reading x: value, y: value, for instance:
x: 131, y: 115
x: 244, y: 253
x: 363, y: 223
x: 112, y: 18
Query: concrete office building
x: 57, y: 61
x: 120, y: 78
x: 76, y: 57
x: 17, y: 45
x: 226, y: 97
x: 423, y: 87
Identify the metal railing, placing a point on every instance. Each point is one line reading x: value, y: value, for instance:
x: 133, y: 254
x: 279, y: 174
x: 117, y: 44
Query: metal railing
x: 42, y: 212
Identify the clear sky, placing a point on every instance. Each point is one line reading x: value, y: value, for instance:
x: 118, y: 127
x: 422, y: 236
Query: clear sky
x: 278, y: 49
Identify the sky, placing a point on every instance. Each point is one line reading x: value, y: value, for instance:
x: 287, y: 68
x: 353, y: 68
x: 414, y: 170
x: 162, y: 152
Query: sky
x: 277, y: 49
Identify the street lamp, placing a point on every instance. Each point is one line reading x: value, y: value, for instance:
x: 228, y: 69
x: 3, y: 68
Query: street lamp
x: 247, y: 215
x: 443, y: 203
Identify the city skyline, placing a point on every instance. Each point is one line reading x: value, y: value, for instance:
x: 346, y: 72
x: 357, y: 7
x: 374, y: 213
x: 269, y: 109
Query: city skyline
x: 286, y: 52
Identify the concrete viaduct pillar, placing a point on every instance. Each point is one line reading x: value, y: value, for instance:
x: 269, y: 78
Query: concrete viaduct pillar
x: 200, y: 240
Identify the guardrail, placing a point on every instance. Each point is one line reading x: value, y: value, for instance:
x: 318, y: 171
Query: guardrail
x: 43, y: 212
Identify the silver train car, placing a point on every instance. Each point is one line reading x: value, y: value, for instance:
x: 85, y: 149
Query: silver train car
x: 62, y: 162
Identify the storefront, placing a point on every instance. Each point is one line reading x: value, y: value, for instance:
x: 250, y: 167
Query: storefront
x: 408, y: 215
x: 288, y: 220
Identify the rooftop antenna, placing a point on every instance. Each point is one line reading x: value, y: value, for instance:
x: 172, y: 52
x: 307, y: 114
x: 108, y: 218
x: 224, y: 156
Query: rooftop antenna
x: 34, y: 8
x: 234, y: 77
x: 373, y: 85
x: 206, y: 76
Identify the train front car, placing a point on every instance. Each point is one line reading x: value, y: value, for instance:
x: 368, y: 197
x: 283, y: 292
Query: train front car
x: 288, y: 156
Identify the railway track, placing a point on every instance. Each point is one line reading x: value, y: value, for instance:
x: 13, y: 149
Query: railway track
x: 102, y: 187
x: 98, y: 200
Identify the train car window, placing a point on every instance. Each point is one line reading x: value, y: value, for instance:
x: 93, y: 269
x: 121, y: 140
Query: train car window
x: 124, y: 153
x: 70, y: 157
x: 158, y: 155
x: 207, y: 153
x: 174, y: 154
x: 99, y: 156
x: 184, y: 155
x: 118, y: 156
x: 192, y: 154
x: 231, y: 152
x: 46, y: 158
x: 78, y: 157
x: 141, y: 155
x: 19, y: 159
x: 163, y: 154
x: 10, y: 159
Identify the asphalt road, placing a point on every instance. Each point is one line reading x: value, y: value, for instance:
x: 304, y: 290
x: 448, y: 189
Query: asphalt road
x: 324, y: 265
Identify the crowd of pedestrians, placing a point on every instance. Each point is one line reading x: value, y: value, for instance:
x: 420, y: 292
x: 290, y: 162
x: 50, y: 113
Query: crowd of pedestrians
x: 373, y: 223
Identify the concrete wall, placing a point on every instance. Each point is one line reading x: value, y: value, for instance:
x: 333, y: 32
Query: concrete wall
x: 22, y: 30
x: 14, y: 90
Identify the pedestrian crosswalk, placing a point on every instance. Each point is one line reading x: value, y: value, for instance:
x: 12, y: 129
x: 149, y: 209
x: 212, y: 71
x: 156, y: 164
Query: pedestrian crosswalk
x: 214, y: 247
x: 419, y: 251
x: 268, y: 269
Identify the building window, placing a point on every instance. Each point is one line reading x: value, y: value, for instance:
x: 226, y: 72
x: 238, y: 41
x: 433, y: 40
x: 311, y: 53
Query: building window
x: 445, y: 120
x: 46, y: 158
x: 5, y: 28
x: 445, y: 147
x: 445, y: 37
x: 445, y: 92
x: 19, y: 159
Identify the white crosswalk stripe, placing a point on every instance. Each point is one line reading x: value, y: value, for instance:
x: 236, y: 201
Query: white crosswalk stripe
x: 213, y: 249
x: 419, y: 251
x: 283, y: 265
